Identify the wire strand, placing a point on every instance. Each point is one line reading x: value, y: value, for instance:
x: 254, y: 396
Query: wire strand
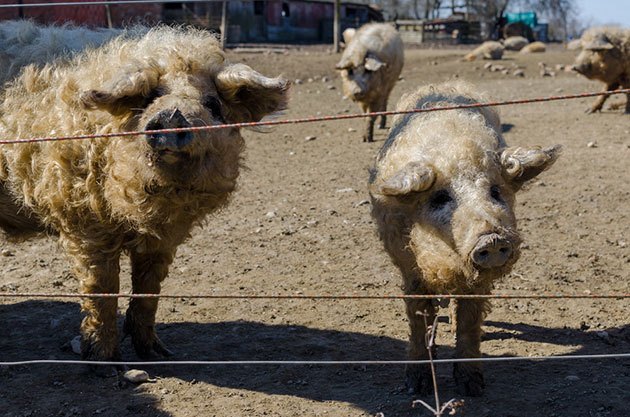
x: 289, y: 362
x: 102, y: 3
x: 319, y: 296
x: 314, y: 119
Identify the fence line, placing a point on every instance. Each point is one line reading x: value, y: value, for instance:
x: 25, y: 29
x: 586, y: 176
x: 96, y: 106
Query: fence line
x: 101, y: 3
x: 316, y: 119
x: 349, y: 362
x: 320, y: 296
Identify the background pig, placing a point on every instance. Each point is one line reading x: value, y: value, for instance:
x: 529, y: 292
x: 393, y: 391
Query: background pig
x: 442, y: 190
x: 605, y: 56
x: 515, y: 43
x: 141, y: 195
x: 487, y: 50
x: 23, y: 42
x: 369, y: 67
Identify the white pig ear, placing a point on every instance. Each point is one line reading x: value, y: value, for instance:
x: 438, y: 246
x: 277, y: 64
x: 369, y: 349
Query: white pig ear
x: 373, y: 64
x: 598, y: 44
x: 521, y: 165
x: 414, y: 177
x: 344, y: 63
x: 249, y: 95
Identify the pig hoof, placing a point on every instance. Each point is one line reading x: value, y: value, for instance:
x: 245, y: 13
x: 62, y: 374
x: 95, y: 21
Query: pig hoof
x: 93, y: 352
x: 108, y: 371
x: 151, y: 350
x: 418, y: 380
x: 469, y: 382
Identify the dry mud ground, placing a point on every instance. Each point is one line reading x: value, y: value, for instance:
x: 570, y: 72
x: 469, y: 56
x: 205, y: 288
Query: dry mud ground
x: 300, y: 224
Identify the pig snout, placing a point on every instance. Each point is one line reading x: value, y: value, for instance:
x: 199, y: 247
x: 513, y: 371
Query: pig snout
x: 491, y: 251
x: 577, y: 68
x: 173, y: 141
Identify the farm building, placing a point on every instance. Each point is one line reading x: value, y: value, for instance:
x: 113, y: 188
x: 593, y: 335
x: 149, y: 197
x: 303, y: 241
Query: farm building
x: 302, y: 21
x: 87, y: 15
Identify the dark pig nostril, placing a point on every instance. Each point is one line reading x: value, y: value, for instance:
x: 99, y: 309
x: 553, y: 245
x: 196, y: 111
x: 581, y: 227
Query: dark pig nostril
x: 169, y: 119
x: 491, y: 251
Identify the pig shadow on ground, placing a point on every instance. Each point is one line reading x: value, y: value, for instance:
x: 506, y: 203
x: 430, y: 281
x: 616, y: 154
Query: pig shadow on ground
x: 41, y: 329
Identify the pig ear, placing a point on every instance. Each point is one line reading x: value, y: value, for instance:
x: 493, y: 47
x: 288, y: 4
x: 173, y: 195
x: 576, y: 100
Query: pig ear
x: 521, y: 165
x: 414, y: 177
x: 344, y: 63
x: 372, y: 63
x: 118, y: 95
x: 598, y: 44
x: 249, y: 95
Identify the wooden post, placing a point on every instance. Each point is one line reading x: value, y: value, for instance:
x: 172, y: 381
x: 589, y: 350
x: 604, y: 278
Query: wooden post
x: 337, y: 27
x: 108, y: 15
x: 224, y: 24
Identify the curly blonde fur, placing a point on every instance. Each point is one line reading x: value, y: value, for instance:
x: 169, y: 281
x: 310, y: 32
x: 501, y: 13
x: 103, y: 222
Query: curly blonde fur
x: 443, y: 190
x: 142, y: 194
x: 23, y: 42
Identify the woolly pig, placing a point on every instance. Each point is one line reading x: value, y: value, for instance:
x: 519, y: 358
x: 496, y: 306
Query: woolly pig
x: 534, y: 47
x: 605, y: 57
x: 370, y: 67
x: 442, y: 190
x: 487, y: 50
x: 515, y: 43
x: 22, y: 42
x: 140, y: 195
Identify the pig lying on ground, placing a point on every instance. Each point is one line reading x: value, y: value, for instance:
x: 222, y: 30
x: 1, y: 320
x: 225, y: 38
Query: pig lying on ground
x: 140, y: 195
x: 370, y: 66
x: 487, y: 50
x: 605, y: 56
x: 515, y: 43
x: 442, y: 190
x: 22, y: 42
x: 534, y: 47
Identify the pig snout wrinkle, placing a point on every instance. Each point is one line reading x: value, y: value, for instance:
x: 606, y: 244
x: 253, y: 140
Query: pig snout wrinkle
x: 491, y: 251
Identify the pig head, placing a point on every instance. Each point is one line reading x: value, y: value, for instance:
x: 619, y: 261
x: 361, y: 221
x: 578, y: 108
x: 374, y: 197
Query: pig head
x: 453, y: 210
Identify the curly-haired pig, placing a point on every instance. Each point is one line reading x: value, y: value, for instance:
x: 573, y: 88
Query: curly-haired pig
x: 442, y: 190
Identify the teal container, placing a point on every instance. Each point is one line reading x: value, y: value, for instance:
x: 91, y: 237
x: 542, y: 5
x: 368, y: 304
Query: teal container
x: 529, y: 18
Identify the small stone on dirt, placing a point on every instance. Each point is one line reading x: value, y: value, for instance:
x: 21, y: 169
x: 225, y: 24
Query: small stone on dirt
x: 137, y: 376
x: 75, y: 344
x: 591, y: 145
x: 310, y: 138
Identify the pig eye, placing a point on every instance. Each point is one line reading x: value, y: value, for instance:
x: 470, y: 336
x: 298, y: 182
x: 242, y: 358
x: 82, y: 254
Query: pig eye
x: 495, y: 193
x: 152, y: 96
x: 350, y: 72
x: 214, y: 105
x: 439, y: 199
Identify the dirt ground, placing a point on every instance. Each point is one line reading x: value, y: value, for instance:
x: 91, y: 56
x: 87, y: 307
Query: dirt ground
x: 300, y: 224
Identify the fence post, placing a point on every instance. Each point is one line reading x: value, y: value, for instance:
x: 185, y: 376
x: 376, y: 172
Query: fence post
x: 223, y: 24
x: 337, y: 27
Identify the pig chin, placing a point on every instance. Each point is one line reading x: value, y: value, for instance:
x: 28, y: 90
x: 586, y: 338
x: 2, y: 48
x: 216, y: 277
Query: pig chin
x: 449, y: 271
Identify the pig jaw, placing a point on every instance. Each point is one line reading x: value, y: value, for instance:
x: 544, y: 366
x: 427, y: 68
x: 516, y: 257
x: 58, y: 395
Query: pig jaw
x: 445, y: 268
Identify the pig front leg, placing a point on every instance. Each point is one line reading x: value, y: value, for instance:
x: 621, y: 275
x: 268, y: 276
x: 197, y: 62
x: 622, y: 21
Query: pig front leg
x: 383, y: 107
x: 420, y: 313
x: 599, y: 102
x: 469, y: 315
x: 627, y: 102
x: 147, y: 272
x: 97, y: 267
x: 369, y: 129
